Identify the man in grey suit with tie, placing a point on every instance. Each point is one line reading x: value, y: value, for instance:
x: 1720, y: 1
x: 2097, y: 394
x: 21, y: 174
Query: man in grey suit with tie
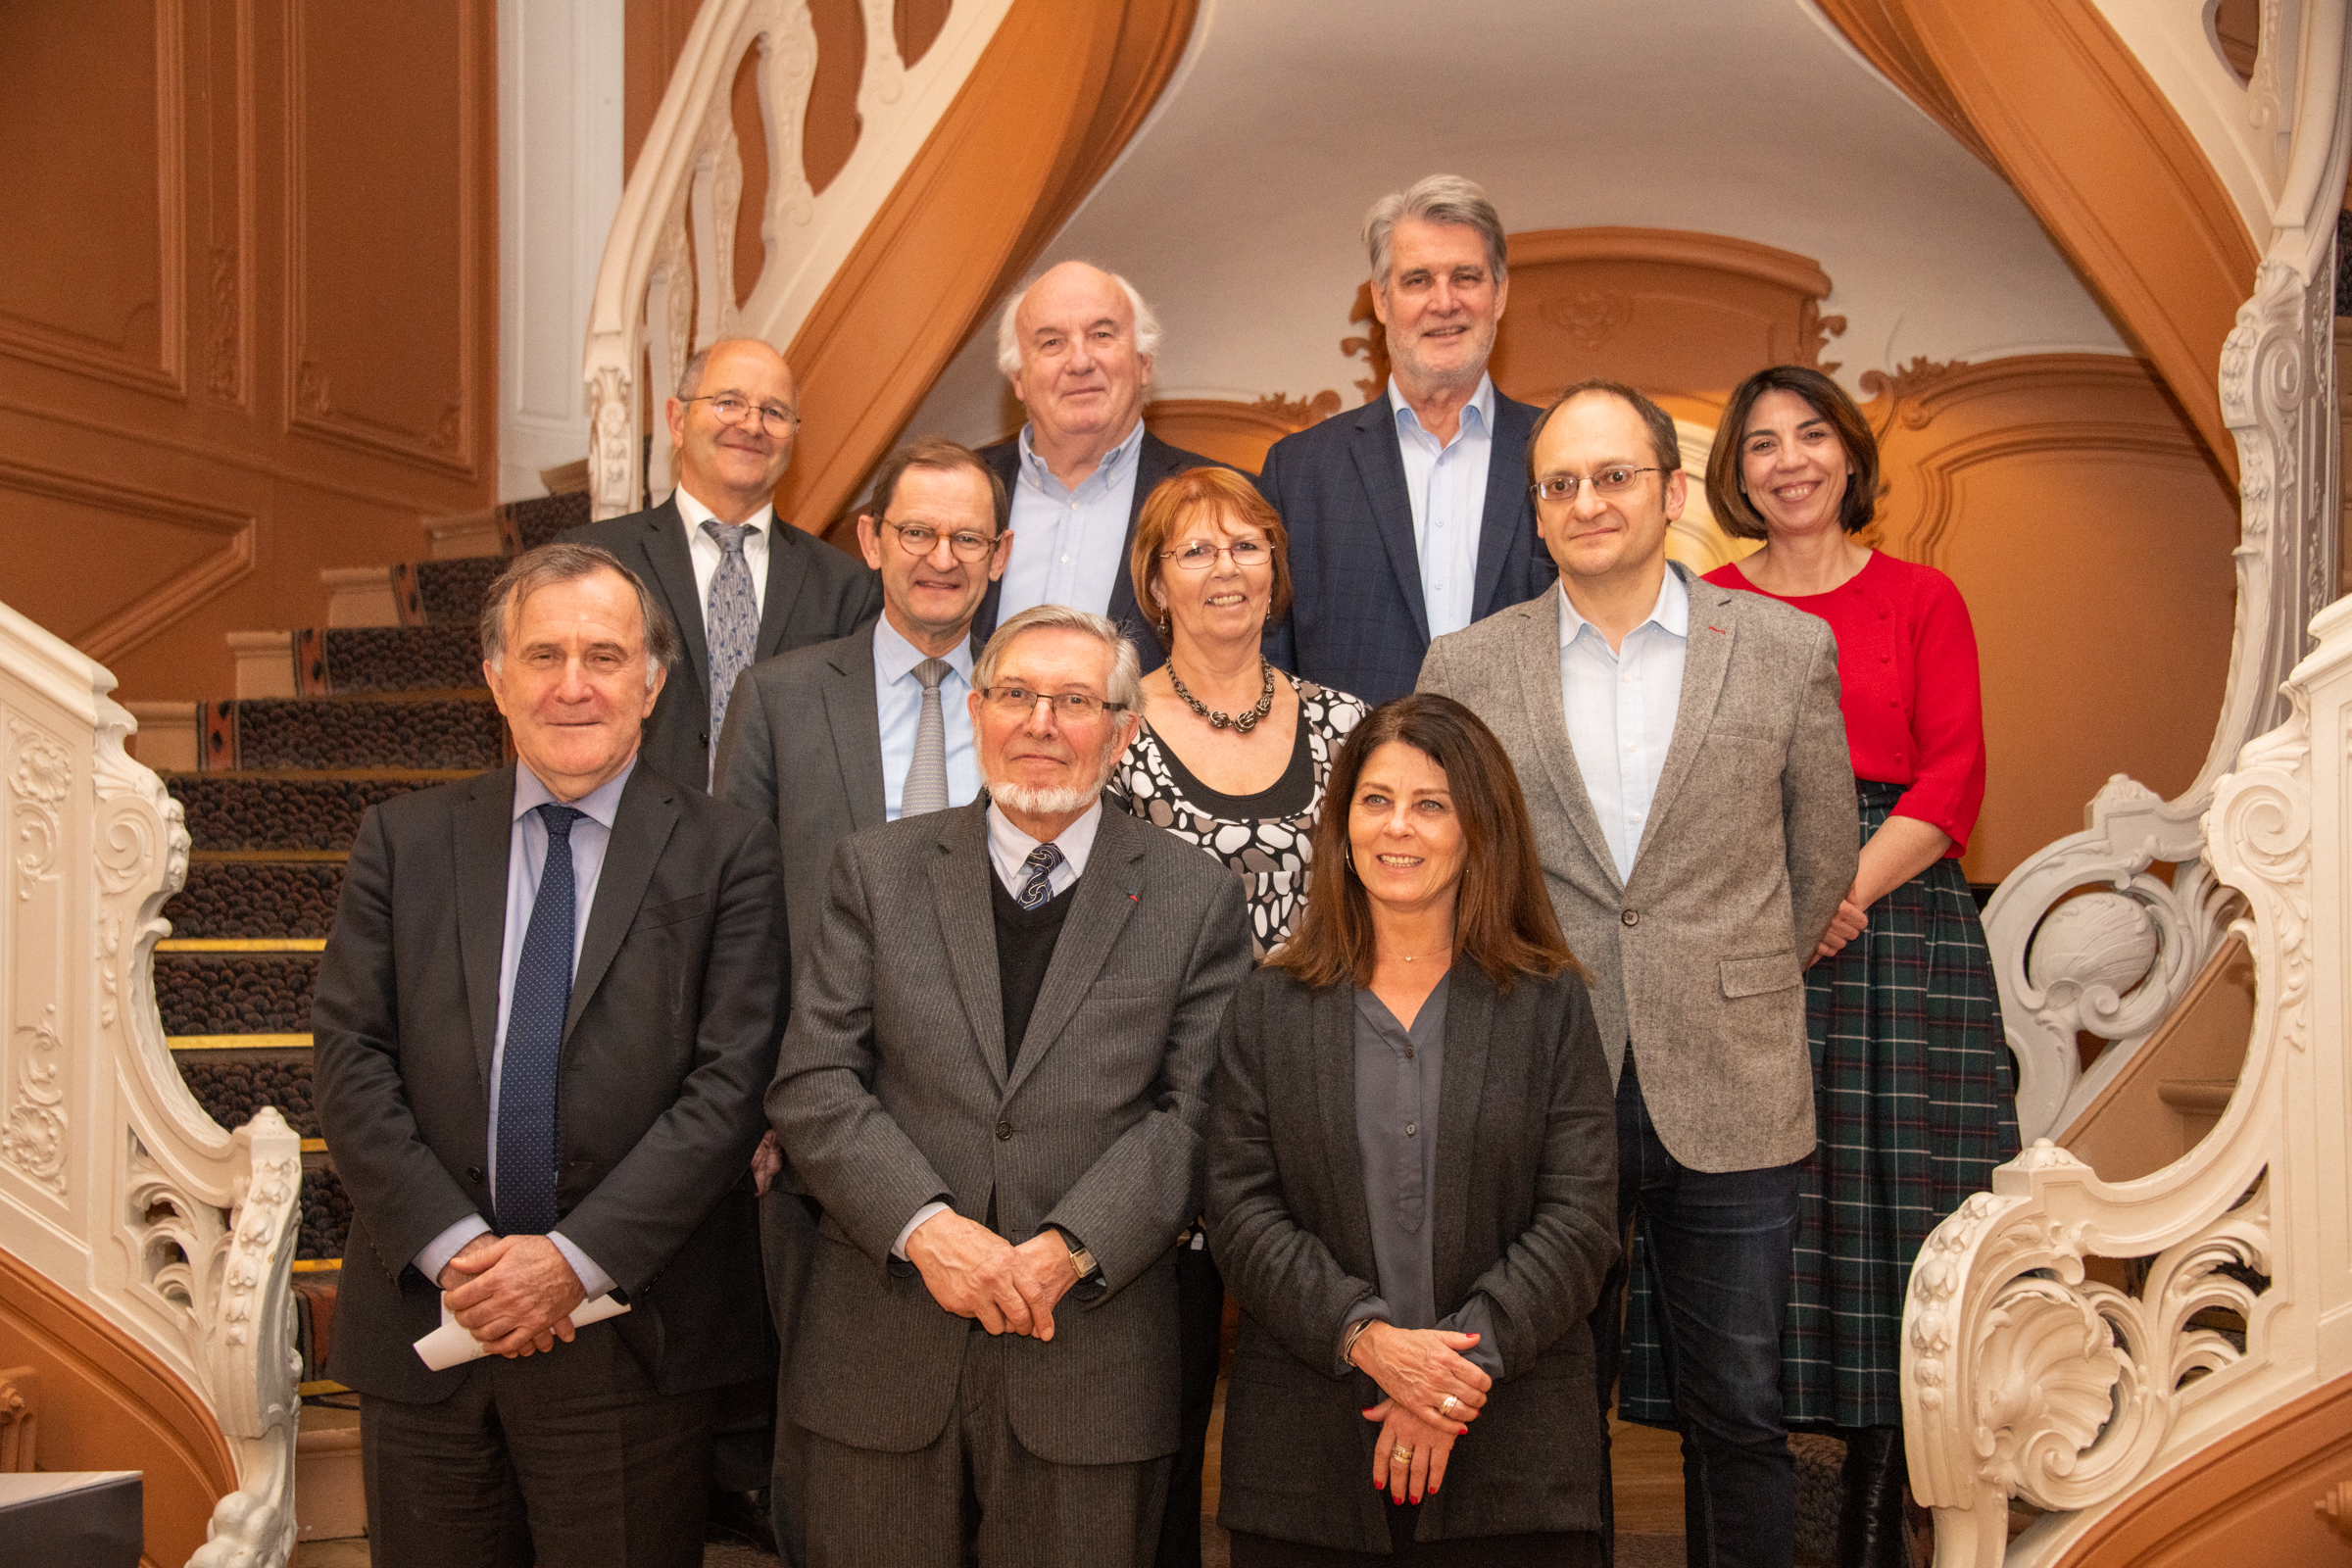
x: 1685, y: 765
x: 742, y: 584
x: 828, y: 740
x: 995, y: 1084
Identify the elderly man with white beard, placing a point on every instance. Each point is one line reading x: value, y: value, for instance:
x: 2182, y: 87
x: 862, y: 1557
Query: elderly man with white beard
x: 995, y: 1082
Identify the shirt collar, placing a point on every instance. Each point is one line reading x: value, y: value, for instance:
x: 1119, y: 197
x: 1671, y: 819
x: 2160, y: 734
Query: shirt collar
x: 1671, y: 613
x: 896, y: 657
x: 1033, y: 466
x: 602, y: 803
x: 694, y: 513
x: 1010, y: 846
x: 1480, y: 403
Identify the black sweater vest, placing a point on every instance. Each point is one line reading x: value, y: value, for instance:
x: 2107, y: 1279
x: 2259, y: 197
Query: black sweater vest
x: 1025, y: 940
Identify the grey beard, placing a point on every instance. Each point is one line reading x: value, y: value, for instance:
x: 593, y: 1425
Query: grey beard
x: 1031, y: 800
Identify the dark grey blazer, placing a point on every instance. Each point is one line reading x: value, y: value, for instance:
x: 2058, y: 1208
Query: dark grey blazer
x: 676, y: 1005
x: 893, y: 1090
x: 803, y: 747
x: 814, y: 594
x: 1698, y: 957
x: 1525, y: 1214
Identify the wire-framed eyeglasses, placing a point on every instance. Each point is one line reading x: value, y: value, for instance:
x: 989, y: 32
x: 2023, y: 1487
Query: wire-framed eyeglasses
x: 1063, y: 704
x: 1200, y: 554
x: 1614, y: 480
x: 735, y: 408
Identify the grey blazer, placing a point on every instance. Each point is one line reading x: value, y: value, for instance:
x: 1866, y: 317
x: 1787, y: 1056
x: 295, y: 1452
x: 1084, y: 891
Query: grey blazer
x: 1699, y: 957
x: 803, y: 747
x: 893, y: 1090
x: 1525, y: 1214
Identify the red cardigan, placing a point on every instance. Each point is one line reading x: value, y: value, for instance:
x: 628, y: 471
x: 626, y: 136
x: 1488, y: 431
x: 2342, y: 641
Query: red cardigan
x: 1907, y: 684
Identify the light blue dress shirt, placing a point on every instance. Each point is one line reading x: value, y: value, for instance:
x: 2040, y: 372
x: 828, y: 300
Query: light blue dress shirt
x: 526, y: 857
x: 1007, y: 848
x: 1620, y: 709
x: 899, y: 704
x: 1072, y: 544
x: 1447, y: 485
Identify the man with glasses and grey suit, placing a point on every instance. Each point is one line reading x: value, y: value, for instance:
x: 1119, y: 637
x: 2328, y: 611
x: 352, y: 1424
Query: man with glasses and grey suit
x: 741, y: 585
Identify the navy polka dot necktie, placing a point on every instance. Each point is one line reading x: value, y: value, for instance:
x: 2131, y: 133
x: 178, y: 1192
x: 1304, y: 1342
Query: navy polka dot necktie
x: 525, y: 1198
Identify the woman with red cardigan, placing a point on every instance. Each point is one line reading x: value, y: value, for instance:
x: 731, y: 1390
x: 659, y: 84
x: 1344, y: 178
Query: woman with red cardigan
x: 1912, y: 1078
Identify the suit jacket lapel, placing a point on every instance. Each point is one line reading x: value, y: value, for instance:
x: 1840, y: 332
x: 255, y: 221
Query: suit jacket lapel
x: 1153, y: 461
x: 855, y: 724
x: 1538, y: 658
x: 1331, y: 1013
x: 1469, y: 1016
x: 1506, y: 495
x: 641, y: 827
x: 1706, y: 656
x: 960, y: 878
x: 1381, y: 466
x: 483, y: 830
x: 673, y: 577
x: 1105, y: 896
x: 787, y: 579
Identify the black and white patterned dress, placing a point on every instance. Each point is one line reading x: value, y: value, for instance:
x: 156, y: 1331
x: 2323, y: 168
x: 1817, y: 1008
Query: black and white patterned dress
x: 1267, y: 839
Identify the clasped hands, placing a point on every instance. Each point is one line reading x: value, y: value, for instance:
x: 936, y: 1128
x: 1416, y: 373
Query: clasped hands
x: 973, y: 1272
x: 513, y: 1294
x: 1433, y: 1392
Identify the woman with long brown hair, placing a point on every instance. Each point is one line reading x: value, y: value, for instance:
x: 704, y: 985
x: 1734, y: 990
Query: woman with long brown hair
x: 1412, y: 1173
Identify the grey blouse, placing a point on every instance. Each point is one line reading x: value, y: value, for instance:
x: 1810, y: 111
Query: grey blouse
x: 1398, y: 1073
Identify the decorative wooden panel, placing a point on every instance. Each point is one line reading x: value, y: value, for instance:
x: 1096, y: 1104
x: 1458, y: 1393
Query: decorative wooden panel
x: 92, y: 123
x: 1235, y: 433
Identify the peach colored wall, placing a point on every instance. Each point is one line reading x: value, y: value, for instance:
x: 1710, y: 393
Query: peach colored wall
x: 246, y: 332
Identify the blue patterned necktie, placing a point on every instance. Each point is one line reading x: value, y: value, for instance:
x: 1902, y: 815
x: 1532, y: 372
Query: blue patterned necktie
x: 730, y: 621
x: 1039, y: 888
x: 527, y: 1069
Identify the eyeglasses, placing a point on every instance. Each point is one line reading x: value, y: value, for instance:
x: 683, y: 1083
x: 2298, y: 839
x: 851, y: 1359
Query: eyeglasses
x: 1560, y: 488
x: 1066, y: 704
x: 732, y: 408
x: 1200, y: 553
x: 920, y: 539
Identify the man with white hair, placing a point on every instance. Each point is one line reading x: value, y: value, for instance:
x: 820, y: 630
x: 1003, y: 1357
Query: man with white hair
x: 1409, y: 517
x: 1077, y: 346
x: 995, y: 1082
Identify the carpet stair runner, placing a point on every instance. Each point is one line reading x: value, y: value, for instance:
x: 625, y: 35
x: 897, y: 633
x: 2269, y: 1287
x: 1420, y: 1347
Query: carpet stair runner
x: 271, y: 815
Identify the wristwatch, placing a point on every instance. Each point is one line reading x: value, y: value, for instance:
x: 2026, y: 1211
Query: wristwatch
x: 1080, y: 1258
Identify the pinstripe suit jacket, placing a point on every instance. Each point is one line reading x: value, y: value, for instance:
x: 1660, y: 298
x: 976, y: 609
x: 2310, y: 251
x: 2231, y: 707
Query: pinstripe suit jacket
x: 893, y: 1090
x: 1359, y: 620
x: 1697, y: 957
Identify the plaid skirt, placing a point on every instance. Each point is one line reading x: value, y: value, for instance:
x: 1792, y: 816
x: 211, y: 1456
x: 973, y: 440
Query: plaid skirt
x: 1915, y: 1104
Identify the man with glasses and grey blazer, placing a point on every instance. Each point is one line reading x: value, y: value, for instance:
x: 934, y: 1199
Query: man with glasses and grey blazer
x: 994, y: 1082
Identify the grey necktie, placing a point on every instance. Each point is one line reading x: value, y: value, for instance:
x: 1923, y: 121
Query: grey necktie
x: 730, y: 620
x: 926, y: 786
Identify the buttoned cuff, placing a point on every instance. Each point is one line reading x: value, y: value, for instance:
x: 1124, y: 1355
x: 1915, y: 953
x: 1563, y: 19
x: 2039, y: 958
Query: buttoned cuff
x: 897, y: 1249
x: 448, y: 1245
x: 594, y: 1281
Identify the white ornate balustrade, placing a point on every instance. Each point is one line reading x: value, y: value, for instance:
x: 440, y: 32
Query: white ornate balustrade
x: 113, y: 1183
x: 2025, y: 1376
x: 667, y: 286
x: 2114, y: 962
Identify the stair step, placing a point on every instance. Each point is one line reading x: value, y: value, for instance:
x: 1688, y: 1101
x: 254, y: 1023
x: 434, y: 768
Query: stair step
x: 255, y: 899
x: 232, y: 1086
x: 450, y: 593
x: 532, y: 524
x: 234, y: 993
x: 2199, y: 1097
x: 289, y: 812
x: 442, y: 730
x: 325, y: 1210
x: 342, y: 661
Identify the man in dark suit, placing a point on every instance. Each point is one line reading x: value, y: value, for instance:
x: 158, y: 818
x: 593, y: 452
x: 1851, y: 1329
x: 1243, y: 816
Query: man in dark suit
x: 543, y: 1025
x: 1077, y: 347
x: 996, y: 1085
x: 1409, y: 516
x: 827, y: 740
x: 741, y: 585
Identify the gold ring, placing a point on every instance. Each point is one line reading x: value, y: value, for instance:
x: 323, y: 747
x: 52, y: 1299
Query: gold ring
x: 1402, y: 1455
x: 1446, y: 1407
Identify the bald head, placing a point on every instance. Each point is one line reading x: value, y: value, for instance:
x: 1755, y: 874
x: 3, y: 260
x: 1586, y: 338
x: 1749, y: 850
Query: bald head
x: 1077, y: 347
x: 733, y: 424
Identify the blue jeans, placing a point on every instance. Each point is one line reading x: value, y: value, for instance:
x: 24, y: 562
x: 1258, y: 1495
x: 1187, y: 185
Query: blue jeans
x: 1719, y: 1246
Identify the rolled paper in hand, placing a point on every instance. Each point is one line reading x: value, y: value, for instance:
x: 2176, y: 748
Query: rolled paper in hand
x: 451, y: 1345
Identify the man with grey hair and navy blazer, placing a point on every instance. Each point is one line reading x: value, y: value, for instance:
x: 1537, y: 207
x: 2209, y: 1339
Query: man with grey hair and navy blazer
x: 995, y: 1085
x: 1408, y: 518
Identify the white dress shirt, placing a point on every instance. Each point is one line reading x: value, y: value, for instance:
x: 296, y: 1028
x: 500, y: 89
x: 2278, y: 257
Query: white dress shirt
x: 1448, y: 484
x: 527, y: 857
x: 1072, y: 543
x: 1621, y: 709
x: 1008, y: 849
x: 705, y: 553
x: 899, y: 704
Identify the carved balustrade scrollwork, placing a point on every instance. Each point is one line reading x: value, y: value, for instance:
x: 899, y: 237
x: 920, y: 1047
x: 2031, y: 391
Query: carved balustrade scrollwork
x: 667, y: 286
